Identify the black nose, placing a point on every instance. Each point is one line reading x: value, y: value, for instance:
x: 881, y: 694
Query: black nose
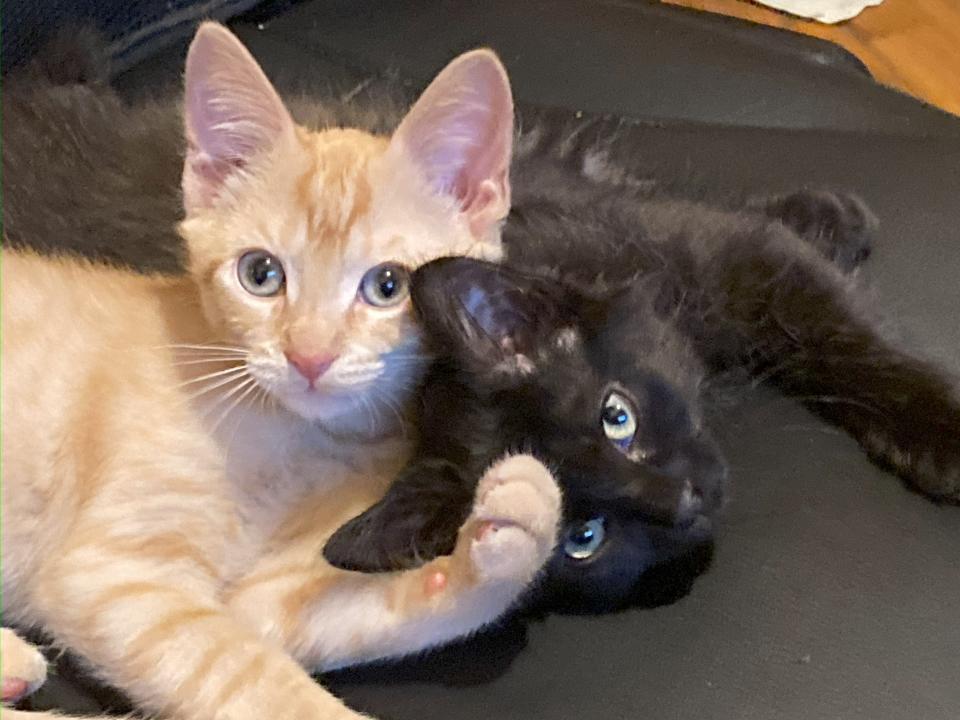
x: 709, y: 479
x: 665, y: 499
x: 690, y: 503
x: 701, y: 474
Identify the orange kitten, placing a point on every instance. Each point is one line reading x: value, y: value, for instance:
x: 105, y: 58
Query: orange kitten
x: 176, y: 451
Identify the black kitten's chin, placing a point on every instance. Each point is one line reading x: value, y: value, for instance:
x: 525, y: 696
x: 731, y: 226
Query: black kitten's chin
x: 694, y: 529
x: 664, y: 583
x: 647, y: 566
x: 672, y: 580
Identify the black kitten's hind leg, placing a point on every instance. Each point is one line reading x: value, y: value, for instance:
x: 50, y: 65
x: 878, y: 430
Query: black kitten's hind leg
x: 795, y: 320
x: 840, y: 226
x: 415, y: 521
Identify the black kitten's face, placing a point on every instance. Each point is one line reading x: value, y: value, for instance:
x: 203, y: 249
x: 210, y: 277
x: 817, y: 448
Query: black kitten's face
x: 606, y: 395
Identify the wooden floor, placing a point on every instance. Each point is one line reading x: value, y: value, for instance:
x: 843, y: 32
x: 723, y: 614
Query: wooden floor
x: 913, y: 45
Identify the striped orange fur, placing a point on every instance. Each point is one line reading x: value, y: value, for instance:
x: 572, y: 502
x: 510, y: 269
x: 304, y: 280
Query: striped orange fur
x: 169, y: 479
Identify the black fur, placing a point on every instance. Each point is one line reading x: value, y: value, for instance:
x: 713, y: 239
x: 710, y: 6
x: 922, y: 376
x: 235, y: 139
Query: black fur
x: 664, y: 296
x: 84, y: 173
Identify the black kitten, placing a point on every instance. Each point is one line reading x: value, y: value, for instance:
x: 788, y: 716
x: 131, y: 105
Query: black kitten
x: 593, y: 348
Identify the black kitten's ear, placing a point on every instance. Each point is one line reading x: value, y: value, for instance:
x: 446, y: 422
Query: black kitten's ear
x: 485, y: 313
x: 417, y: 520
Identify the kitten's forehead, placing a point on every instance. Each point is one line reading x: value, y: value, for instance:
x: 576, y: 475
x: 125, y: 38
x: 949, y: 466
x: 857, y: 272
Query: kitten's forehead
x: 336, y: 189
x: 363, y: 204
x: 565, y: 381
x: 634, y: 343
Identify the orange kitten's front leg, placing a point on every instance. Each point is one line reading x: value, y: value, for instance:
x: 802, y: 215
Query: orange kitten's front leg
x: 328, y: 618
x: 153, y: 627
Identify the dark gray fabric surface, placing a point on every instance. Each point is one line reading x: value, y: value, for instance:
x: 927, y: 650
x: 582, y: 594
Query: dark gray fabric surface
x: 630, y: 58
x: 622, y: 56
x: 134, y: 29
x: 835, y: 593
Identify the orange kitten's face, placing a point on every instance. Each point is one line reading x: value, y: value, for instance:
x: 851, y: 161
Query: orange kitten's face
x: 301, y: 241
x: 329, y: 230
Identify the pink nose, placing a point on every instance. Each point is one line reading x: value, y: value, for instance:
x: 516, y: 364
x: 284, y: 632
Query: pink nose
x: 311, y: 367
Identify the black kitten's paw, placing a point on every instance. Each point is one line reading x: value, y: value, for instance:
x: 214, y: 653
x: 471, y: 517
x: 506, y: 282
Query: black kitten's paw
x: 927, y: 453
x: 415, y: 521
x: 839, y: 225
x: 937, y: 477
x: 934, y: 469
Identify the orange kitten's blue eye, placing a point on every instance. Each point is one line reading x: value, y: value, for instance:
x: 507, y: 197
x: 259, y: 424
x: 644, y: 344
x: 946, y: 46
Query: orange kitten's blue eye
x: 385, y: 285
x: 260, y: 273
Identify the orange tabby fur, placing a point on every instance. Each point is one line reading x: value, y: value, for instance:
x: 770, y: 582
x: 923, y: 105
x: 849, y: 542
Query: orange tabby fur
x: 170, y: 480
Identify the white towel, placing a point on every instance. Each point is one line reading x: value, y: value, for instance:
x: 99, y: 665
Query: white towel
x: 825, y: 11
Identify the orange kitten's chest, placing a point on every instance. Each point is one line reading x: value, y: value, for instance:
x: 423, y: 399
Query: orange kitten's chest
x: 277, y: 470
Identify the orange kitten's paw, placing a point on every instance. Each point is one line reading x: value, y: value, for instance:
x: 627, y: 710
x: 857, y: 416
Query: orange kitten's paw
x: 22, y: 667
x: 513, y: 526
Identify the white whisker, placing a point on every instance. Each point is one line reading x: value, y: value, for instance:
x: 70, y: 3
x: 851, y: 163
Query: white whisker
x: 371, y: 415
x: 395, y: 408
x: 220, y: 383
x: 235, y: 370
x: 200, y: 361
x: 263, y: 396
x: 408, y: 356
x: 248, y: 384
x: 203, y: 348
x: 239, y: 422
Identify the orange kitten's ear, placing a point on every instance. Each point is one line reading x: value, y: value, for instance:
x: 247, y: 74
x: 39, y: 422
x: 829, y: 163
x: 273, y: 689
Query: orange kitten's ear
x: 231, y: 112
x: 460, y: 134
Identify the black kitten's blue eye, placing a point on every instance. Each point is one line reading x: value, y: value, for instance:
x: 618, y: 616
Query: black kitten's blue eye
x: 584, y: 539
x: 618, y: 419
x: 385, y: 285
x: 260, y: 273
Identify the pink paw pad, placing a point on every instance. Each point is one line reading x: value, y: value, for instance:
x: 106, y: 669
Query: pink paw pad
x: 435, y: 583
x: 14, y: 689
